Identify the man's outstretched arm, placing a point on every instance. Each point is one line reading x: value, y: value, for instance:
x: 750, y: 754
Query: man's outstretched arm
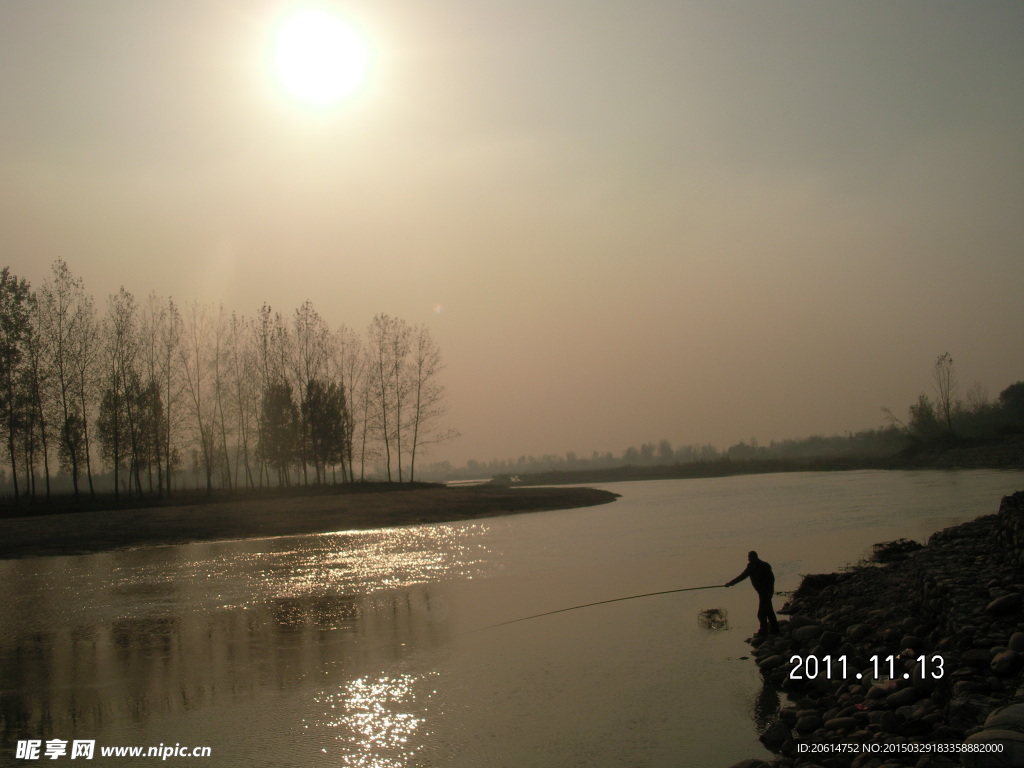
x: 739, y: 578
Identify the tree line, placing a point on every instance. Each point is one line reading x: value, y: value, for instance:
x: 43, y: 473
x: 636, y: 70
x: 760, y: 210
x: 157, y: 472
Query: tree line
x: 866, y: 444
x: 944, y: 415
x: 142, y: 393
x: 939, y: 416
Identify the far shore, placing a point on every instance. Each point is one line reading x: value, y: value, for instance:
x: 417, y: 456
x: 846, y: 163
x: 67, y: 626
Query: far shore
x: 77, y: 533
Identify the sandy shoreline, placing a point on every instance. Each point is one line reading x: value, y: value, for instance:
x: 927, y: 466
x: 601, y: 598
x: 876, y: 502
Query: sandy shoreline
x: 86, y: 532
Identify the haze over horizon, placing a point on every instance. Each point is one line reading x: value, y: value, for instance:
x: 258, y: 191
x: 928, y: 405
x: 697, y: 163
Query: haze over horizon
x: 701, y: 221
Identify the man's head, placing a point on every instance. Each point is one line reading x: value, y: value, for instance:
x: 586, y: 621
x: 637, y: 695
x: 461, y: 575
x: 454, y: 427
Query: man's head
x: 751, y: 555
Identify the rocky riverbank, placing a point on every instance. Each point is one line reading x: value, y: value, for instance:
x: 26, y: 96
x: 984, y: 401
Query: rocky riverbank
x: 949, y: 616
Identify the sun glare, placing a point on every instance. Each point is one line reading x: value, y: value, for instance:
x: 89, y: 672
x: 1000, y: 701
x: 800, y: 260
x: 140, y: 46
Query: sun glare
x: 318, y: 59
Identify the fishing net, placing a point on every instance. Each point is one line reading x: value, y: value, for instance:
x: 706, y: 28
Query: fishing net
x: 713, y: 618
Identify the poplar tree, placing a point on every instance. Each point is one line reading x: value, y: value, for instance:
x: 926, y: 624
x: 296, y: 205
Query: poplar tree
x: 14, y: 331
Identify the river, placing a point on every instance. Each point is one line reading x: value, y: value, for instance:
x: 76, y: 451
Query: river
x: 375, y: 648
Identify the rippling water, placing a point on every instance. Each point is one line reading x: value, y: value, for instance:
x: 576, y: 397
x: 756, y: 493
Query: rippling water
x: 372, y: 648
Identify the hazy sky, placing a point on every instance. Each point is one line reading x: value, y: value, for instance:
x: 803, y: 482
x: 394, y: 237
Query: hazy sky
x: 622, y: 221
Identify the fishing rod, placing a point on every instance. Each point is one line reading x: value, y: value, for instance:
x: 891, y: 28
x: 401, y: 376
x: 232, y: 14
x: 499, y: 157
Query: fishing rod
x: 599, y: 602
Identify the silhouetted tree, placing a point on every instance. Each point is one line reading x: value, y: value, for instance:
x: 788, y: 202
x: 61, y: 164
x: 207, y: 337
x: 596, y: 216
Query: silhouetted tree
x: 112, y: 432
x: 350, y: 370
x: 221, y: 387
x: 665, y: 453
x: 323, y: 415
x: 242, y: 374
x: 195, y: 353
x: 426, y: 395
x: 309, y: 353
x: 272, y: 341
x: 944, y: 378
x: 169, y: 376
x: 36, y: 386
x: 280, y: 429
x: 123, y: 393
x: 388, y: 347
x: 151, y: 322
x: 72, y: 446
x: 150, y: 415
x: 14, y: 332
x: 924, y: 420
x: 66, y: 316
x: 1011, y: 400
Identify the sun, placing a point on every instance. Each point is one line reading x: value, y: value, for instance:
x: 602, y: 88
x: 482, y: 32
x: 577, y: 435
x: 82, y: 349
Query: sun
x: 318, y: 59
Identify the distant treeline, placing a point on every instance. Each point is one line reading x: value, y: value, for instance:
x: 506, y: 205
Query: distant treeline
x: 146, y: 398
x: 938, y: 421
x: 868, y: 444
x: 944, y: 416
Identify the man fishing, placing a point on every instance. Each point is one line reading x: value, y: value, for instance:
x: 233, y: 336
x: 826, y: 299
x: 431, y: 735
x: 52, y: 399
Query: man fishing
x: 763, y: 580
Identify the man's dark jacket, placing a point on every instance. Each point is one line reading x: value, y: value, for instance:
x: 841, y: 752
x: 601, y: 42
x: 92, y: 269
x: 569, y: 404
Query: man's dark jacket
x: 761, y: 576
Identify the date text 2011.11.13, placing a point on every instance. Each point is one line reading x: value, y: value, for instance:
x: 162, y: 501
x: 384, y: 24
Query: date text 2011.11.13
x: 837, y: 668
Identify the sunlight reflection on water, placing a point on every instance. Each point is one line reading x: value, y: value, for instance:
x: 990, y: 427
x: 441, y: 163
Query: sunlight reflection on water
x: 239, y: 574
x: 375, y: 720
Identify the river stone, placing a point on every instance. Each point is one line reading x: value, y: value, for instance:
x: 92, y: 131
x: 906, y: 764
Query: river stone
x: 890, y: 722
x: 967, y: 687
x: 1016, y: 642
x: 911, y: 641
x: 976, y: 657
x: 809, y: 632
x: 808, y: 723
x: 1005, y: 663
x: 876, y: 692
x: 830, y: 640
x: 902, y: 698
x: 750, y: 764
x: 859, y: 631
x: 798, y: 620
x: 1010, y: 742
x: 841, y: 724
x: 947, y: 734
x: 771, y: 662
x: 1010, y: 717
x: 1004, y: 605
x: 775, y: 735
x: 967, y: 710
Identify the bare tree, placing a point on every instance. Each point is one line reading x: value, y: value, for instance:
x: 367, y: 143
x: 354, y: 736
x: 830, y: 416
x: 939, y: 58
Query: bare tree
x: 310, y: 345
x: 426, y: 395
x: 36, y: 386
x: 368, y: 421
x: 64, y: 306
x: 221, y: 386
x: 170, y: 377
x: 349, y: 361
x: 14, y: 331
x: 242, y: 376
x: 151, y: 320
x: 945, y: 382
x: 123, y: 390
x: 84, y: 355
x: 195, y: 354
x: 388, y: 347
x: 271, y: 359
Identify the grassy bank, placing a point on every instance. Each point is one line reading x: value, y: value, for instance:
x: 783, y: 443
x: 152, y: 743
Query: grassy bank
x: 71, y: 533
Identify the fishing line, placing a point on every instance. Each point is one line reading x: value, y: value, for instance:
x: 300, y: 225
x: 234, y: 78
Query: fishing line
x: 599, y: 602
